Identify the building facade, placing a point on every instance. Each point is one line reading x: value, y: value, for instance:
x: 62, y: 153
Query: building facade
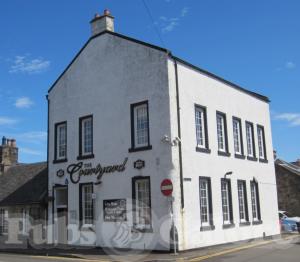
x: 288, y: 186
x: 125, y: 115
x: 23, y: 201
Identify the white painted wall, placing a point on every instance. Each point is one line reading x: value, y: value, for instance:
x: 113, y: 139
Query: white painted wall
x: 195, y: 87
x: 109, y: 75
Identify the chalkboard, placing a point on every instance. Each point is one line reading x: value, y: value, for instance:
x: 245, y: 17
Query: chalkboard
x: 114, y: 210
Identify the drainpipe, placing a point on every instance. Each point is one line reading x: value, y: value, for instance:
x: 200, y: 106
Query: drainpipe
x: 179, y: 134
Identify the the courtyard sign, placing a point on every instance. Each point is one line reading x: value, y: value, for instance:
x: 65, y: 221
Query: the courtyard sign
x: 79, y: 169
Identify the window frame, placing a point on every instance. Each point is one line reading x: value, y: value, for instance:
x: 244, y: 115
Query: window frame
x: 82, y: 154
x: 58, y: 159
x: 240, y: 134
x: 257, y: 219
x: 251, y: 157
x: 229, y: 222
x: 134, y: 147
x: 209, y: 225
x: 263, y: 144
x: 243, y: 221
x: 136, y: 226
x: 224, y: 152
x: 4, y: 221
x: 82, y: 206
x: 205, y: 147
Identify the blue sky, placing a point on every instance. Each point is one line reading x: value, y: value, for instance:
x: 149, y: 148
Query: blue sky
x: 252, y: 43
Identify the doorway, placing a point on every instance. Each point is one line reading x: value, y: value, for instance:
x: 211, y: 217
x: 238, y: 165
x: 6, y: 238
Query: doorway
x: 61, y: 207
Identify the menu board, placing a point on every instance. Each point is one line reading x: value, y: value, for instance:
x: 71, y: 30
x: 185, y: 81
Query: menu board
x: 114, y: 210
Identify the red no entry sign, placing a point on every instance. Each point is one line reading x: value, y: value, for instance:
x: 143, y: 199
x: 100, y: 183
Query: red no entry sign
x: 166, y: 187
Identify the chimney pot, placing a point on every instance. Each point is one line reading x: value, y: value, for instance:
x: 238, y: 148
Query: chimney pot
x: 102, y: 23
x: 13, y: 143
x: 4, y: 141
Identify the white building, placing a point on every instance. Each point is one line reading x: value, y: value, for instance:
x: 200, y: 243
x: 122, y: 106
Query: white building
x: 125, y: 115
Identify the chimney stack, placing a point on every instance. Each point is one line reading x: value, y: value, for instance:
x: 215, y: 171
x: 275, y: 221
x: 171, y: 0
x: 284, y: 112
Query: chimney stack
x: 8, y: 154
x: 101, y: 23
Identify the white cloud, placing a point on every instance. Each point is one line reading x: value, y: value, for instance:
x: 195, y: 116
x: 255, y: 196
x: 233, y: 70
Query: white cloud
x: 168, y: 24
x: 7, y: 120
x: 290, y: 65
x: 292, y: 118
x: 30, y: 151
x: 24, y: 64
x: 184, y: 11
x: 23, y: 102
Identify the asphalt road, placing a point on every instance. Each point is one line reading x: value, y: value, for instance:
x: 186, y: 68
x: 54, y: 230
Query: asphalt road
x: 278, y: 251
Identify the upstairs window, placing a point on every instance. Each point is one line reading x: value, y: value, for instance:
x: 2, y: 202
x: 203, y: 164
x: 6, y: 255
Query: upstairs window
x: 250, y: 140
x: 3, y: 221
x: 140, y: 127
x: 142, y: 203
x: 222, y: 133
x: 60, y: 141
x: 86, y: 137
x: 237, y: 136
x: 226, y: 201
x: 261, y: 143
x: 87, y: 205
x: 201, y: 128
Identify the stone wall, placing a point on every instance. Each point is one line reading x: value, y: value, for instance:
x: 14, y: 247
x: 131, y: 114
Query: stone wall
x: 288, y: 186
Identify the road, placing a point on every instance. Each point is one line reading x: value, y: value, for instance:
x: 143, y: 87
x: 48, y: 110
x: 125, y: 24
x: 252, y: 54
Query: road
x: 277, y: 251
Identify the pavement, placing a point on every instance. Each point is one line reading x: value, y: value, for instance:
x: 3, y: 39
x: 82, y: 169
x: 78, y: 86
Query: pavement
x: 283, y: 248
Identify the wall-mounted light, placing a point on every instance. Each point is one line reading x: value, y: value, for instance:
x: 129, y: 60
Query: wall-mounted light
x: 229, y: 173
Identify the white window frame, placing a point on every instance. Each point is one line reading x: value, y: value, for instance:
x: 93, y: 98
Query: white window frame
x: 261, y: 142
x: 4, y: 221
x: 86, y: 138
x: 226, y: 205
x: 249, y: 138
x: 204, y: 195
x: 221, y: 132
x: 61, y: 141
x: 141, y: 125
x: 200, y: 126
x: 242, y: 201
x: 24, y: 221
x: 87, y: 204
x: 237, y: 136
x: 142, y: 204
x: 254, y: 201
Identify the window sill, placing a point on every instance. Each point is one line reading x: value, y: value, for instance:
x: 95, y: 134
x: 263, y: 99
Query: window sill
x: 251, y: 158
x: 221, y: 153
x: 247, y: 223
x: 203, y: 150
x: 257, y: 222
x: 82, y: 157
x: 136, y: 149
x: 225, y: 226
x: 263, y: 160
x: 141, y: 230
x: 87, y: 227
x: 207, y: 228
x: 56, y: 161
x: 239, y: 156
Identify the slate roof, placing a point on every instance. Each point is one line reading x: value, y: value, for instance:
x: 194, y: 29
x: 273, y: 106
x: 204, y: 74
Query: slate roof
x: 169, y: 53
x: 289, y: 166
x: 24, y: 184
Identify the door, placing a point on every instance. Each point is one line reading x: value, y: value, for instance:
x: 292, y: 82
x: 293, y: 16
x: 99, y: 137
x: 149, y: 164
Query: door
x: 62, y: 223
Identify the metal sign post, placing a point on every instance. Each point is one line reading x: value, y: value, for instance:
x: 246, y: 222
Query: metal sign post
x: 171, y: 200
x: 166, y: 188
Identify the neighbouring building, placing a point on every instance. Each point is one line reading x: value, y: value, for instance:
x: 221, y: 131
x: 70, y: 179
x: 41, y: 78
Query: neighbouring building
x: 23, y: 201
x: 288, y: 185
x: 125, y: 115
